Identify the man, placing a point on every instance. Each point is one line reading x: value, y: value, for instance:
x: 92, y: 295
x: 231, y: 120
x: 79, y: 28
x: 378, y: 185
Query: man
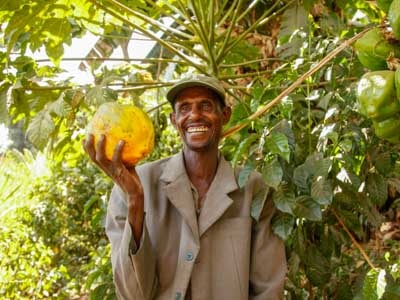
x: 180, y: 227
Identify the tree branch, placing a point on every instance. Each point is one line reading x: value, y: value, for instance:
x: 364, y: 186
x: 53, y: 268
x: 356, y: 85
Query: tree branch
x: 295, y: 84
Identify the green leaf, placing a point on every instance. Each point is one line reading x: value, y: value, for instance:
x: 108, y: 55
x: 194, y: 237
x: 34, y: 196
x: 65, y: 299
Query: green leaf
x: 60, y: 107
x: 284, y: 198
x: 376, y: 188
x: 317, y: 266
x: 56, y: 32
x: 277, y: 143
x: 307, y: 208
x: 99, y: 292
x: 257, y: 203
x: 40, y: 128
x: 301, y: 176
x: 293, y: 19
x: 321, y: 191
x: 284, y: 127
x: 244, y: 175
x: 283, y: 225
x: 272, y: 173
x: 4, y: 95
x: 383, y: 163
x: 243, y: 148
x: 241, y: 52
x: 318, y: 165
x: 370, y: 285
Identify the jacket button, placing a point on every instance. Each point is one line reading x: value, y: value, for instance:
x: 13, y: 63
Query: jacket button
x: 189, y: 256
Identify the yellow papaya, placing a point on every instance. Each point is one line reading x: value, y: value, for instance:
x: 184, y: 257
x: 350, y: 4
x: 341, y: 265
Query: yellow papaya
x: 123, y: 122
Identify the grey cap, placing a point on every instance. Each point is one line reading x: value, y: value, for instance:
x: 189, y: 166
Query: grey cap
x: 196, y: 80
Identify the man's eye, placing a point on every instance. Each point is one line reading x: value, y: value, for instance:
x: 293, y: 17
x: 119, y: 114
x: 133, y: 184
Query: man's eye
x: 206, y: 106
x: 184, y: 108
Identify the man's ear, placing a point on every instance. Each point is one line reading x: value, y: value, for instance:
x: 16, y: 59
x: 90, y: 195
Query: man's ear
x: 172, y: 118
x: 226, y: 114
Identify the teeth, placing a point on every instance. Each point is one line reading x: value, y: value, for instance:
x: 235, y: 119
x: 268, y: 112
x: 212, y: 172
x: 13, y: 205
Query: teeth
x: 197, y: 129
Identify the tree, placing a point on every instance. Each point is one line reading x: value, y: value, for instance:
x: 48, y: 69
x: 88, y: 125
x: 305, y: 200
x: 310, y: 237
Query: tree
x: 291, y: 75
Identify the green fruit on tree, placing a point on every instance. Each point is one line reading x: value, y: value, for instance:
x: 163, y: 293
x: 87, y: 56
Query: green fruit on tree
x: 376, y: 95
x: 394, y: 18
x: 373, y: 50
x: 384, y: 4
x: 397, y: 83
x: 388, y: 129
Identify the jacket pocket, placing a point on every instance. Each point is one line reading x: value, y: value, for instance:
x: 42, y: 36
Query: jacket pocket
x: 233, y: 236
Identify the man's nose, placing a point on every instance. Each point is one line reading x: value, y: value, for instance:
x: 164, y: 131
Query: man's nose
x: 195, y: 112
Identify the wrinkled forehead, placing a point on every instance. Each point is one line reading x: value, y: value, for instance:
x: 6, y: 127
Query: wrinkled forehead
x: 198, y: 92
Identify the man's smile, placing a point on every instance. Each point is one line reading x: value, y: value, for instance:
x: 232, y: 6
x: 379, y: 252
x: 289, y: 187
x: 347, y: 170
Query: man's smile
x: 192, y: 129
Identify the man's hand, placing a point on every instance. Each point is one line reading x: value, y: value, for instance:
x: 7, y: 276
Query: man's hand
x: 126, y: 178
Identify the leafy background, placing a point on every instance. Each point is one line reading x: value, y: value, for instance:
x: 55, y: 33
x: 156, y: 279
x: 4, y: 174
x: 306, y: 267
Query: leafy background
x: 337, y: 184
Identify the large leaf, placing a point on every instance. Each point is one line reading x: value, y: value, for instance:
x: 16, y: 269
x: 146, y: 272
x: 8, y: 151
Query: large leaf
x: 272, y: 173
x: 370, y: 285
x: 317, y: 266
x: 301, y: 177
x: 376, y: 188
x: 277, y: 143
x: 4, y: 95
x: 244, y: 175
x: 284, y: 198
x: 283, y: 225
x: 257, y: 203
x: 40, y: 128
x: 56, y: 31
x: 321, y: 191
x: 244, y: 145
x: 307, y: 208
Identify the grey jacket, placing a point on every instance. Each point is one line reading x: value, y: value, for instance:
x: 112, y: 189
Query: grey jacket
x: 228, y: 252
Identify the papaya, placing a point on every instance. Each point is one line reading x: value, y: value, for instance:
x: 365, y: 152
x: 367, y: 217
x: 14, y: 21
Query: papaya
x: 394, y: 18
x: 397, y: 83
x: 376, y: 95
x: 373, y: 49
x: 123, y: 122
x: 388, y: 129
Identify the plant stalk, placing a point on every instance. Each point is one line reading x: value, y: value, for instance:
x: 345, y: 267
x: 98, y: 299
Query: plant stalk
x: 295, y: 84
x: 363, y: 253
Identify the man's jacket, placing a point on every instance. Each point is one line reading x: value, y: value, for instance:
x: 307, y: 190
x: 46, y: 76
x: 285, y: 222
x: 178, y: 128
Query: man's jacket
x: 228, y: 252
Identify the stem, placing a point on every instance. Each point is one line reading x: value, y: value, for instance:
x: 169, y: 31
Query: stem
x: 157, y: 107
x: 295, y: 84
x: 363, y: 253
x: 249, y: 62
x: 237, y: 4
x: 198, y: 13
x: 161, y: 26
x: 149, y: 60
x: 244, y: 75
x: 168, y: 46
x: 259, y: 22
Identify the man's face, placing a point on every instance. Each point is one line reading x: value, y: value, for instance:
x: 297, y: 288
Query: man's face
x: 199, y: 117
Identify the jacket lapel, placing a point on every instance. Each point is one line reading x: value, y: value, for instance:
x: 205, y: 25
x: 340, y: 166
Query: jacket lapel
x: 217, y: 200
x: 178, y: 191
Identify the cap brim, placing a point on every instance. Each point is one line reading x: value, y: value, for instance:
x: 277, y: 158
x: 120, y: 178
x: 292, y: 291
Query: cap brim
x: 176, y: 89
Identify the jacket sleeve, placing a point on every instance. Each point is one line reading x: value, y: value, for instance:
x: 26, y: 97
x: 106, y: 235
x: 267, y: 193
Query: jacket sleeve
x: 134, y: 269
x: 268, y: 259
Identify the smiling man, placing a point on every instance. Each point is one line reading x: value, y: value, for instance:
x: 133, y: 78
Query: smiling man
x: 181, y: 227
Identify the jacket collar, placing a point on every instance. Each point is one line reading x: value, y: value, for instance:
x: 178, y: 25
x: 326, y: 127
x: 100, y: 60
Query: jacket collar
x: 179, y: 193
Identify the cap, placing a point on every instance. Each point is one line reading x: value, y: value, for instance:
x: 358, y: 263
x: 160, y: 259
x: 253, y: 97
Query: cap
x: 196, y: 80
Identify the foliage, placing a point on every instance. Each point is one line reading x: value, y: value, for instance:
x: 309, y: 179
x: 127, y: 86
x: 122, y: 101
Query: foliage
x: 337, y: 185
x: 48, y: 230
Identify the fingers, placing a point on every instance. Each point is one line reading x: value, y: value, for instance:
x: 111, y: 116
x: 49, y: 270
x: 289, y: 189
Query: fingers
x: 88, y: 146
x: 101, y: 150
x: 117, y: 155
